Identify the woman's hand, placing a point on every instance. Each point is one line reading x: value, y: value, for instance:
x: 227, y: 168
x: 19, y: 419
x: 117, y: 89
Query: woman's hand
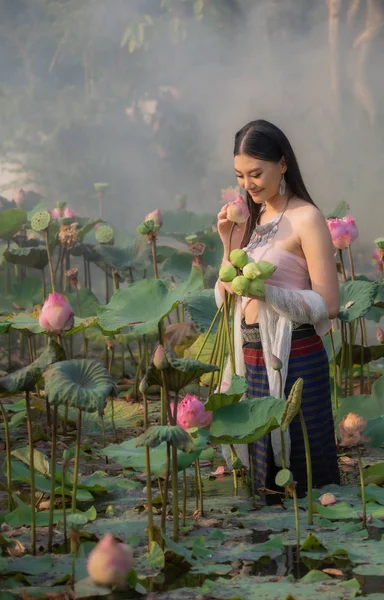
x: 224, y: 226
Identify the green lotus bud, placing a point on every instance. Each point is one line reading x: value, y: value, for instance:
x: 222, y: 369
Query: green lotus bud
x: 276, y: 363
x: 251, y: 271
x: 256, y: 288
x: 266, y: 269
x: 240, y: 285
x: 238, y: 258
x: 160, y: 358
x: 227, y: 273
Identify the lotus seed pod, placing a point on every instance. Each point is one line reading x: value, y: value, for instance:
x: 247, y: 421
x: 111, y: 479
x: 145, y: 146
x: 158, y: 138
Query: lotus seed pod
x: 41, y: 220
x: 240, y: 285
x: 293, y: 404
x: 284, y: 478
x: 256, y: 288
x: 104, y: 234
x: 238, y: 258
x: 227, y: 273
x: 147, y: 227
x: 266, y: 268
x: 101, y: 188
x: 251, y: 271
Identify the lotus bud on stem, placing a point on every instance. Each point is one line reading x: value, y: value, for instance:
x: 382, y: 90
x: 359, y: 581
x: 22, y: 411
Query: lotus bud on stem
x: 284, y: 479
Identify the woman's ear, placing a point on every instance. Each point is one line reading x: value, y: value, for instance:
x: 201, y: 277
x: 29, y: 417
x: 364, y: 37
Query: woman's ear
x: 283, y: 165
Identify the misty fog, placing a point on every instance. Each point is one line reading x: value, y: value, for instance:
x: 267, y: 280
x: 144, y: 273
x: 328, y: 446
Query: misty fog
x: 79, y: 103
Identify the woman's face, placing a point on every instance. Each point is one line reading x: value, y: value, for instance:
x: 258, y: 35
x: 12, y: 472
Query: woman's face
x: 260, y: 178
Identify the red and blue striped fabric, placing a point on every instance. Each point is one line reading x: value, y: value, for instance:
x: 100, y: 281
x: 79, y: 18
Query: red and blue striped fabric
x: 308, y: 359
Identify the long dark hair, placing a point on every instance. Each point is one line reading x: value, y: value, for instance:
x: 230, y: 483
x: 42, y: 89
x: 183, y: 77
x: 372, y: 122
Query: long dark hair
x: 260, y: 139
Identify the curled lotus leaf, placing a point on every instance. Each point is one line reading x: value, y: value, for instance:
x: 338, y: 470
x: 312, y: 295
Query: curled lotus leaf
x: 147, y: 227
x: 380, y: 242
x: 25, y: 379
x: 101, y: 187
x: 104, y: 234
x: 41, y: 220
x: 180, y: 373
x: 83, y: 384
x: 172, y: 434
x: 293, y: 404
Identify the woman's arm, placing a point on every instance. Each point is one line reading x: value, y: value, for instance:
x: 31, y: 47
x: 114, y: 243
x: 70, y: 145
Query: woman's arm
x: 316, y: 243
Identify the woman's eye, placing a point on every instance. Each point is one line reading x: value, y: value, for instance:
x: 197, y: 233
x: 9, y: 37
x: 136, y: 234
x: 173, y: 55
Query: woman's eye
x: 239, y: 176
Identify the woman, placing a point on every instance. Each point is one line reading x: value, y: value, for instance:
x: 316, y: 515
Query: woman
x: 285, y: 228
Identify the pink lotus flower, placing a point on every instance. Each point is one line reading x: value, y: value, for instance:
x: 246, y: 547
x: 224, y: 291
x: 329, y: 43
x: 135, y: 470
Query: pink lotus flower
x: 378, y: 258
x: 110, y: 562
x: 57, y: 314
x: 68, y: 213
x: 380, y: 335
x: 191, y: 413
x: 229, y: 194
x: 343, y: 231
x: 20, y: 196
x: 327, y: 499
x: 156, y: 217
x: 351, y: 428
x: 55, y: 213
x: 238, y: 211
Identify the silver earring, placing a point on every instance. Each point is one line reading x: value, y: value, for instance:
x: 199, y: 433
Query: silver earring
x: 282, y: 186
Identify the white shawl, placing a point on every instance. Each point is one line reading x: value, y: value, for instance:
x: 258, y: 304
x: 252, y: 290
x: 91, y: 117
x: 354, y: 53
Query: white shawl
x: 281, y: 308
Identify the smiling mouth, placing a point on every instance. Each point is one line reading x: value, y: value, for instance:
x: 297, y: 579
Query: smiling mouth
x: 255, y: 192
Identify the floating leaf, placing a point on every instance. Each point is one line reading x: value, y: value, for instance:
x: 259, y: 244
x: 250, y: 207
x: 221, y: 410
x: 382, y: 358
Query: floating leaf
x: 173, y: 434
x: 83, y: 384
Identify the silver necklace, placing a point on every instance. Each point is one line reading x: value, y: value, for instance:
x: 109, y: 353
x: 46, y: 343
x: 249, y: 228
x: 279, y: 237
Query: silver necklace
x: 262, y: 234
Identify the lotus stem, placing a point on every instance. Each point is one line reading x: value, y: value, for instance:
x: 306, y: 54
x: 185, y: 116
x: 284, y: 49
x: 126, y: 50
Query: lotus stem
x: 362, y: 487
x: 351, y: 263
x: 200, y: 484
x: 343, y: 272
x: 297, y: 522
x: 63, y: 502
x: 32, y: 473
x: 175, y: 494
x: 79, y: 309
x: 44, y: 284
x: 228, y: 332
x: 89, y: 276
x: 230, y: 238
x: 350, y: 358
x: 361, y: 356
x: 196, y: 488
x: 77, y: 461
x: 131, y: 280
x: 154, y: 257
x: 308, y: 463
x: 106, y: 284
x: 233, y: 458
x: 8, y: 457
x: 85, y: 271
x: 165, y: 499
x: 149, y: 493
x: 115, y: 280
x: 365, y: 341
x: 335, y: 369
x: 184, y: 498
x: 49, y: 260
x: 9, y: 350
x: 252, y: 470
x: 342, y: 358
x: 53, y: 481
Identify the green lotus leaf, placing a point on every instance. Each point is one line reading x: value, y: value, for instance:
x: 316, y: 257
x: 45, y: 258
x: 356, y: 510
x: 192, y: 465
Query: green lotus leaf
x: 25, y: 379
x: 88, y: 302
x: 246, y: 421
x: 83, y: 384
x: 180, y: 373
x: 40, y: 221
x: 144, y: 304
x: 180, y: 223
x: 147, y: 227
x: 236, y: 390
x: 36, y: 258
x: 11, y: 221
x: 26, y: 322
x: 380, y: 242
x: 134, y: 256
x: 202, y: 309
x: 172, y: 434
x: 28, y: 293
x: 356, y: 299
x: 178, y: 265
x: 293, y: 404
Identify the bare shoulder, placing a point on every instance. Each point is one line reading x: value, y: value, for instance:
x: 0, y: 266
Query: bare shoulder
x: 305, y: 214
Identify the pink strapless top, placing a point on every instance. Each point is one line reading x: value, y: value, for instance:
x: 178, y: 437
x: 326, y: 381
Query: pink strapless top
x: 292, y: 271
